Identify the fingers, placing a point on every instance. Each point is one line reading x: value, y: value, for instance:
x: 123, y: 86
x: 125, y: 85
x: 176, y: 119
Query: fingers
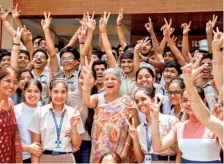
x: 189, y: 25
x: 37, y: 143
x: 133, y: 122
x: 161, y: 101
x: 93, y: 15
x: 197, y: 62
x: 108, y: 16
x: 45, y: 15
x: 150, y: 20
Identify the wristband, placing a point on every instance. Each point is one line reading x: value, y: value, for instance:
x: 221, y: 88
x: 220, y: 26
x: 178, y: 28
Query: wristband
x: 16, y: 44
x: 82, y: 43
x: 119, y: 24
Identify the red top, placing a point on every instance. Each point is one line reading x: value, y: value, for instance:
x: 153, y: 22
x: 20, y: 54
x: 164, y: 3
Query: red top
x: 10, y: 145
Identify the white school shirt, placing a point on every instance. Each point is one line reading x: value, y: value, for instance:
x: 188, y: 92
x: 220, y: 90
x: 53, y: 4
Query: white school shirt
x: 43, y: 124
x: 24, y: 115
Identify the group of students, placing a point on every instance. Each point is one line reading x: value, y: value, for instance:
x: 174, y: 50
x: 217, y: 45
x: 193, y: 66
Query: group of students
x: 141, y: 103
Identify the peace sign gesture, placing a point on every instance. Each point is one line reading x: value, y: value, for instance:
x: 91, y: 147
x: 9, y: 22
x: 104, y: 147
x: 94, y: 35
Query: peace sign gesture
x: 3, y: 14
x: 218, y: 40
x: 149, y: 26
x: 91, y: 22
x: 132, y: 130
x: 155, y: 107
x: 14, y: 11
x: 186, y: 28
x: 17, y: 35
x: 76, y: 117
x: 47, y: 21
x: 142, y: 43
x: 120, y: 16
x: 82, y: 33
x: 211, y: 24
x: 103, y: 21
x: 192, y: 72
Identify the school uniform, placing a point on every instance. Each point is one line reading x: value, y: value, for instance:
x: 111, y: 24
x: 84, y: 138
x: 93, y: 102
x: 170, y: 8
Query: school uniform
x: 56, y: 148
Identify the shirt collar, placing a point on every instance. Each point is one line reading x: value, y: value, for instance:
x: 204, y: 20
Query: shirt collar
x: 51, y: 107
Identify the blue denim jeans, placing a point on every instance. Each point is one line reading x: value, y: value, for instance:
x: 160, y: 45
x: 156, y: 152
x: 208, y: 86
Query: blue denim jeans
x: 83, y: 155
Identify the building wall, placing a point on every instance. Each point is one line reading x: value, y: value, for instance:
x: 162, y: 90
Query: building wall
x: 77, y: 7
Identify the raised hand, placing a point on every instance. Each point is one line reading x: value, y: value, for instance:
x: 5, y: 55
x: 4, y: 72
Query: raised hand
x: 120, y: 16
x: 75, y: 118
x: 211, y: 24
x: 14, y: 11
x: 166, y: 24
x: 27, y: 35
x: 191, y: 72
x: 47, y: 21
x: 149, y: 26
x: 17, y: 35
x: 82, y: 33
x: 218, y: 40
x: 218, y: 109
x: 142, y: 43
x: 174, y: 39
x: 155, y: 107
x: 103, y: 21
x: 90, y: 21
x: 186, y: 28
x: 3, y: 14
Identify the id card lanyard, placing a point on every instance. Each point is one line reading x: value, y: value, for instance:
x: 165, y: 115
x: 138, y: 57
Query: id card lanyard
x: 148, y: 157
x: 58, y: 127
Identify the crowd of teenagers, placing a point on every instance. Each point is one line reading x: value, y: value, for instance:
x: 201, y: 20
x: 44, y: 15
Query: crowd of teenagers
x: 148, y: 102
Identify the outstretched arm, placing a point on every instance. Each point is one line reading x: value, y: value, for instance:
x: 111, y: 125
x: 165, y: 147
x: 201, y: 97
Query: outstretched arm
x: 209, y: 27
x: 120, y: 32
x: 185, y: 41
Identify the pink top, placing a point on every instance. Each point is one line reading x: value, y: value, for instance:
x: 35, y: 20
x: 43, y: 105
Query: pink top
x: 196, y: 142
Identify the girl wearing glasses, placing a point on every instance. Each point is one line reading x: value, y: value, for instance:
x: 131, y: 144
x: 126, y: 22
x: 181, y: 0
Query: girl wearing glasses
x: 10, y: 145
x: 175, y: 90
x: 24, y: 114
x: 57, y: 127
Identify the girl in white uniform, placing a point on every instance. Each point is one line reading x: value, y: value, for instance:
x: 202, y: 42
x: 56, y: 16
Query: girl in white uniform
x: 57, y: 127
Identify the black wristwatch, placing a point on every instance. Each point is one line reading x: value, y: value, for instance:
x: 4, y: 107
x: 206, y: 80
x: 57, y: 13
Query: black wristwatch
x: 147, y: 60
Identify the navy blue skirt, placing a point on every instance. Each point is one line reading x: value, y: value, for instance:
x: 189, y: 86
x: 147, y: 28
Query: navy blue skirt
x: 190, y: 161
x: 83, y: 155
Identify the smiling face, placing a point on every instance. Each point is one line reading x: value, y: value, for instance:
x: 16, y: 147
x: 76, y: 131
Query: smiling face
x: 81, y: 80
x: 23, y: 60
x: 68, y: 61
x: 185, y: 103
x: 168, y: 57
x: 5, y: 62
x: 40, y: 60
x: 145, y: 79
x: 174, y: 93
x: 9, y: 84
x: 111, y: 83
x: 146, y: 48
x: 206, y: 72
x: 143, y: 101
x: 169, y: 74
x: 32, y: 95
x: 127, y: 65
x: 59, y: 94
x: 25, y: 76
x: 99, y: 72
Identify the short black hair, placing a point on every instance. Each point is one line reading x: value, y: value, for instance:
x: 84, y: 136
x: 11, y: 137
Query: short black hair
x: 97, y: 52
x: 71, y: 50
x: 149, y: 70
x: 129, y: 54
x: 25, y: 52
x: 175, y: 65
x: 4, y: 52
x: 99, y: 62
x: 128, y: 46
x: 21, y: 71
x: 41, y: 50
x: 37, y: 37
x: 167, y: 49
x: 41, y: 39
x: 207, y: 56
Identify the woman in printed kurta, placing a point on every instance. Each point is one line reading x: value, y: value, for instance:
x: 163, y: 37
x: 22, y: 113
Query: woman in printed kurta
x: 10, y: 145
x: 110, y: 128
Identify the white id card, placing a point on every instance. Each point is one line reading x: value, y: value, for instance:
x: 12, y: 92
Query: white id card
x: 57, y: 146
x: 148, y: 158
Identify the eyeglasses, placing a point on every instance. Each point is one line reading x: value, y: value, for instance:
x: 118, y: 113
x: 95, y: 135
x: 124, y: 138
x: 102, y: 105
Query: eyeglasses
x: 63, y: 59
x: 9, y: 82
x: 175, y: 93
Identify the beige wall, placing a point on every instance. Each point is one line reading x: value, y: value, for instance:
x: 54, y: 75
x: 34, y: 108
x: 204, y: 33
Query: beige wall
x: 6, y: 38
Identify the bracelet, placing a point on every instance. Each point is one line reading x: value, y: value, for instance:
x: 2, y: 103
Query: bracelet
x: 16, y: 44
x: 119, y: 24
x: 82, y: 43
